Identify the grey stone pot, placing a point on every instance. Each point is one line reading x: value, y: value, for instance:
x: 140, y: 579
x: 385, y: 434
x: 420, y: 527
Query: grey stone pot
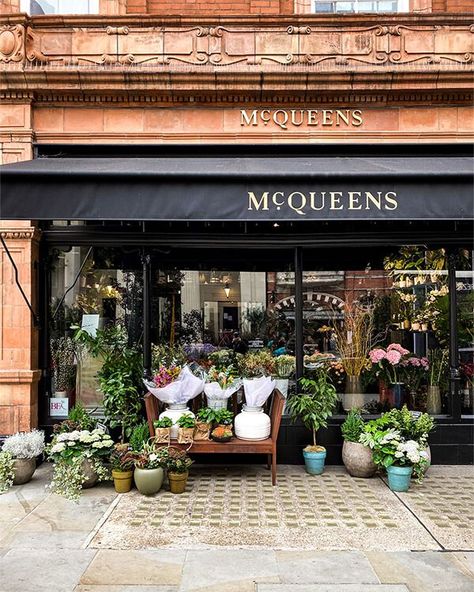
x: 23, y: 469
x: 90, y: 474
x: 357, y: 459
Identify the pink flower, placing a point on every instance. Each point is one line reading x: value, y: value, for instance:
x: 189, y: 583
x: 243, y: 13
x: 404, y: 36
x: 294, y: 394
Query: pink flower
x: 376, y: 355
x: 393, y: 357
x: 413, y: 361
x: 425, y: 363
x: 397, y: 347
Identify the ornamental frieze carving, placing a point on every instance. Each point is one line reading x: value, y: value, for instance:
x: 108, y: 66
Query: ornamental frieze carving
x: 12, y: 43
x: 245, y: 45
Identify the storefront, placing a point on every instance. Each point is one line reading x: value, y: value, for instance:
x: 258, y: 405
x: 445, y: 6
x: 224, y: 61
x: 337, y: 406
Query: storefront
x: 193, y: 222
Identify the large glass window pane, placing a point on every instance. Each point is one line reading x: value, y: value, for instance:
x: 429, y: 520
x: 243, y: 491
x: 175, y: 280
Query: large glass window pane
x: 465, y: 318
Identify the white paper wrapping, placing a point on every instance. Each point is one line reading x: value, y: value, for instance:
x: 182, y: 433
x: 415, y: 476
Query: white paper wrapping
x: 183, y: 389
x: 257, y: 390
x: 213, y: 390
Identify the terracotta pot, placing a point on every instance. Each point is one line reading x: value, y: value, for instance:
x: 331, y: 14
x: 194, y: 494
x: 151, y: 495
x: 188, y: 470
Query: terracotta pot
x: 357, y: 459
x: 178, y: 481
x: 148, y: 481
x: 90, y: 474
x: 122, y: 481
x: 23, y: 469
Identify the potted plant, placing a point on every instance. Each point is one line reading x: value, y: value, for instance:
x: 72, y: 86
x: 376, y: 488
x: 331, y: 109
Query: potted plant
x: 397, y: 455
x: 285, y: 366
x: 78, y: 458
x: 438, y: 364
x: 24, y: 448
x: 222, y: 433
x: 204, y: 420
x: 6, y: 471
x: 149, y: 474
x: 416, y: 370
x: 390, y: 367
x: 223, y: 417
x: 220, y: 385
x: 186, y: 424
x: 122, y: 462
x: 163, y: 430
x: 177, y: 463
x: 356, y: 457
x: 314, y: 406
x: 140, y: 436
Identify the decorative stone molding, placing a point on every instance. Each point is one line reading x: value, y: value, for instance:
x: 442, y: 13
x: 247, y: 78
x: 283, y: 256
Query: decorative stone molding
x: 19, y: 376
x: 12, y: 43
x: 31, y: 233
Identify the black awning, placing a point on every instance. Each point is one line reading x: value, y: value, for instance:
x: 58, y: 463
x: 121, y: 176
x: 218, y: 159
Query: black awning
x: 239, y: 188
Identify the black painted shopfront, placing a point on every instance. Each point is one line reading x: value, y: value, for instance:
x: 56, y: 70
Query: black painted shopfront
x: 236, y: 232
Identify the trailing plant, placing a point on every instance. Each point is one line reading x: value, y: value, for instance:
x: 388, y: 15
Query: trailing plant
x: 140, y: 436
x: 6, y: 471
x: 353, y: 426
x: 315, y: 405
x: 25, y: 444
x: 69, y: 450
x: 164, y: 423
x: 119, y: 377
x: 186, y: 421
x: 224, y: 416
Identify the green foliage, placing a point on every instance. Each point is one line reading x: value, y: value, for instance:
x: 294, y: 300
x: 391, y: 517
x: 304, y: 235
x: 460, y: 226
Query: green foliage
x: 353, y: 426
x: 140, y: 435
x: 317, y: 403
x: 257, y: 363
x: 174, y: 459
x: 167, y: 355
x: 285, y: 366
x: 207, y: 415
x: 120, y: 375
x: 122, y: 458
x: 79, y: 415
x: 410, y: 426
x: 6, y: 471
x: 164, y: 422
x: 465, y: 314
x: 224, y: 417
x: 186, y: 421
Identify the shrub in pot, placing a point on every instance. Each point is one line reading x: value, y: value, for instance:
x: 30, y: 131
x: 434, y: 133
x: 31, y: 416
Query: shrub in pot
x: 122, y: 462
x: 78, y: 458
x: 356, y: 457
x: 163, y: 430
x: 149, y: 474
x: 24, y: 448
x: 314, y: 407
x: 223, y: 417
x: 186, y: 424
x: 140, y: 436
x: 204, y: 420
x: 177, y: 462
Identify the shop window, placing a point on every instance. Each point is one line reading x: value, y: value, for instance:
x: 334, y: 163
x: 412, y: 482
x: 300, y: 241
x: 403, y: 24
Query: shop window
x: 37, y: 7
x: 359, y: 6
x: 465, y: 316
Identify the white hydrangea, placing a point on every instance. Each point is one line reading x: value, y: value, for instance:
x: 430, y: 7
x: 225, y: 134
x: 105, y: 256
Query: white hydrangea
x: 59, y: 447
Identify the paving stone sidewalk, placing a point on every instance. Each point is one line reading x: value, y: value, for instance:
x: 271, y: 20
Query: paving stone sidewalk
x: 46, y: 545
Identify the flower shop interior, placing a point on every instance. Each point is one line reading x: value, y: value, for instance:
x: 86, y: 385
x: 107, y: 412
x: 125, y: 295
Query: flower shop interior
x: 383, y: 307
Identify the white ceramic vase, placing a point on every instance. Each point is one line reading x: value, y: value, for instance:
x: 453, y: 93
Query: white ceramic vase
x: 252, y: 424
x: 174, y: 412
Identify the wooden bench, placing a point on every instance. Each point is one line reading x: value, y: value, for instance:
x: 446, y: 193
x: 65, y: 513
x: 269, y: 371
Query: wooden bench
x: 235, y: 446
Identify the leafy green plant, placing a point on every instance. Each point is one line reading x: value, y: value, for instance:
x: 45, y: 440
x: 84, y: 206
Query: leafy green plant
x: 122, y: 458
x: 6, y: 471
x: 119, y: 377
x: 164, y: 422
x: 353, y: 426
x: 410, y: 426
x: 174, y: 459
x: 79, y: 415
x: 140, y: 436
x: 224, y: 417
x: 186, y: 421
x: 316, y: 404
x: 207, y: 415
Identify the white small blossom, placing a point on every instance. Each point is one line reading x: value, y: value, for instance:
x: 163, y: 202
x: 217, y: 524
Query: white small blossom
x: 59, y: 447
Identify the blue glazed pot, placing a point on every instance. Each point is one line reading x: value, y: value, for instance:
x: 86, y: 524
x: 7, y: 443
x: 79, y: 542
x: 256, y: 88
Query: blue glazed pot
x: 314, y: 462
x: 397, y: 394
x: 399, y: 478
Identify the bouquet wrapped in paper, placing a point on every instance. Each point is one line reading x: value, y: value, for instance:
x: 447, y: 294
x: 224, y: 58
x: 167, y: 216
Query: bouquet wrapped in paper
x: 257, y: 390
x: 221, y: 384
x: 175, y: 385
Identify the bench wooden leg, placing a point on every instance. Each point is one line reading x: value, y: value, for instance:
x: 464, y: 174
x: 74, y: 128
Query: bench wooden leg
x: 269, y: 461
x: 274, y: 468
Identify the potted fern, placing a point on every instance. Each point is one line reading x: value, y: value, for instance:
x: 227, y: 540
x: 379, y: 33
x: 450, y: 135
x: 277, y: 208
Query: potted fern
x: 356, y: 457
x: 314, y: 406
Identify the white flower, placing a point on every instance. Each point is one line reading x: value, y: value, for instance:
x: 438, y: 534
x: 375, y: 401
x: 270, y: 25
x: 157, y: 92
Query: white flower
x: 153, y: 457
x: 59, y: 447
x: 96, y: 444
x: 71, y: 443
x: 398, y: 454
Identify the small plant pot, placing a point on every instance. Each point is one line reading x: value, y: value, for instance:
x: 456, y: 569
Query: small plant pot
x: 23, y: 469
x: 178, y: 481
x: 399, y: 478
x: 148, y: 481
x: 162, y: 435
x: 185, y: 435
x: 424, y: 326
x: 122, y: 481
x: 202, y: 431
x: 415, y: 326
x: 357, y: 459
x: 314, y: 461
x: 89, y: 473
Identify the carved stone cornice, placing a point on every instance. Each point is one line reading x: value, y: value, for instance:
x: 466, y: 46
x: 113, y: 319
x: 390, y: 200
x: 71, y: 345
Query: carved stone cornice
x: 31, y: 233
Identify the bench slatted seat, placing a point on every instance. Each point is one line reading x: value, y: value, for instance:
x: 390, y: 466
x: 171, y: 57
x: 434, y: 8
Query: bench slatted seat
x: 235, y: 446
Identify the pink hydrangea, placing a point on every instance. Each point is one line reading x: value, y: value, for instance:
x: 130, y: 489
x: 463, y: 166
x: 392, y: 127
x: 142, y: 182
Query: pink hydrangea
x: 393, y: 357
x: 398, y: 348
x: 413, y: 361
x: 376, y: 355
x: 425, y: 363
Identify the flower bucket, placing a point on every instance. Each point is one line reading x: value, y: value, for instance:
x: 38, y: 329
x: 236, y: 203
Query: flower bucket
x: 399, y: 478
x: 397, y: 394
x: 314, y: 461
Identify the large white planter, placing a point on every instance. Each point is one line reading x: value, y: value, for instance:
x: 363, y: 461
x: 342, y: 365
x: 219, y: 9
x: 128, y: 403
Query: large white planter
x: 252, y: 424
x: 282, y: 385
x: 174, y: 412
